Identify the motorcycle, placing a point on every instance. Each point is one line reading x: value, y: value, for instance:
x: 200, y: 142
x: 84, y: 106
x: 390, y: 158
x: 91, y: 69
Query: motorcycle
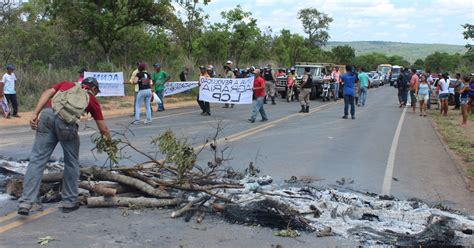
x: 325, y: 92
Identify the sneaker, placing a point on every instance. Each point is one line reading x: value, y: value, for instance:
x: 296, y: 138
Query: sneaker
x: 264, y: 120
x: 160, y: 110
x: 135, y: 122
x: 69, y: 209
x: 344, y: 117
x: 353, y: 117
x: 205, y: 114
x: 23, y: 211
x: 202, y: 113
x: 251, y: 121
x: 147, y: 122
x: 16, y: 116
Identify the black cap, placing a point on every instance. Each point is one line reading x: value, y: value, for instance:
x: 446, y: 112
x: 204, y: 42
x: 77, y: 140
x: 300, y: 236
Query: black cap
x: 82, y: 70
x: 90, y: 81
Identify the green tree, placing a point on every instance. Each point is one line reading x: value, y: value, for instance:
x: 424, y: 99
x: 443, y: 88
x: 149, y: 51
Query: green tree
x: 442, y: 62
x: 469, y: 35
x: 343, y: 54
x: 108, y: 21
x: 315, y: 25
x: 189, y: 29
x: 419, y: 64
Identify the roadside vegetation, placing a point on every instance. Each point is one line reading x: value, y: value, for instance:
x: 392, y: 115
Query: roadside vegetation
x: 459, y: 139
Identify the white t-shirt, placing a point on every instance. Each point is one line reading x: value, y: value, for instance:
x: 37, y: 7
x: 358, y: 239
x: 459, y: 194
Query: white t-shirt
x: 9, y: 81
x: 443, y: 86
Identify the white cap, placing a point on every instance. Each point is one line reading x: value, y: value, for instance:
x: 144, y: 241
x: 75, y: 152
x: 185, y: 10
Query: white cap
x: 229, y: 62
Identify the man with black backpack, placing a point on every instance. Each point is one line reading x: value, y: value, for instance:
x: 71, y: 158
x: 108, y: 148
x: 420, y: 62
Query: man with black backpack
x: 402, y: 84
x: 61, y: 107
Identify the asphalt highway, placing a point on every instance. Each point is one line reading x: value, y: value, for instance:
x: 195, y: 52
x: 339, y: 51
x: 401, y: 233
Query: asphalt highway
x: 385, y: 150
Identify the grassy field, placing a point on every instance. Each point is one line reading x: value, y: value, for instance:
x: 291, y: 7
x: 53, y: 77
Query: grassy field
x: 459, y: 139
x: 410, y: 51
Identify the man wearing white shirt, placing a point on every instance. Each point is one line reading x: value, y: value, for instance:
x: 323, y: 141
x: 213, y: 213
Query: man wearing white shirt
x: 7, y: 88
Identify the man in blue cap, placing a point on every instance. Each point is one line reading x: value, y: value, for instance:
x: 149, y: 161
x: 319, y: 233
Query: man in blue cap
x: 7, y: 88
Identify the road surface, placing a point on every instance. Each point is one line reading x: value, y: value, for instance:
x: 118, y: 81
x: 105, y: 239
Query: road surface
x: 385, y: 150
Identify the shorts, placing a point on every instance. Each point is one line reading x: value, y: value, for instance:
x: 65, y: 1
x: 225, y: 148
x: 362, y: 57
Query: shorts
x: 423, y: 97
x: 464, y: 101
x: 443, y: 96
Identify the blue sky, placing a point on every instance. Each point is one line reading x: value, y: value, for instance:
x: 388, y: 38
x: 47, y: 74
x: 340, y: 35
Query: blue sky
x: 415, y: 21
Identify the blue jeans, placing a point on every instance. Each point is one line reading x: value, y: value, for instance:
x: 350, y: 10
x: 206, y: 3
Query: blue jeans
x: 362, y: 95
x: 143, y: 95
x: 336, y: 91
x: 402, y: 95
x: 161, y: 105
x: 51, y: 131
x: 258, y: 107
x: 349, y: 100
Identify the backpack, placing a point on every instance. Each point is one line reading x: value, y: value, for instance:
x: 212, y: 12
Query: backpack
x: 69, y: 105
x: 404, y: 79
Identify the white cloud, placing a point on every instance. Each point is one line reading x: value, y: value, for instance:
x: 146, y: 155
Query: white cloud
x: 358, y: 23
x: 406, y: 26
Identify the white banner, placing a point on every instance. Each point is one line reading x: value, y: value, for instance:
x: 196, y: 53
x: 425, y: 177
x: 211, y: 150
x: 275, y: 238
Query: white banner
x: 172, y: 88
x: 226, y: 90
x: 110, y: 83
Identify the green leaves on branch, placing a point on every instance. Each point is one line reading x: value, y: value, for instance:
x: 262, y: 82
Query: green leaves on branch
x: 178, y: 152
x: 110, y: 147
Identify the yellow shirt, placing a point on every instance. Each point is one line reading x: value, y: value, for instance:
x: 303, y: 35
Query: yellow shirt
x: 132, y: 78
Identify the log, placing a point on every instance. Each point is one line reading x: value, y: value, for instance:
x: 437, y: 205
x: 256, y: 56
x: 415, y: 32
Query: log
x: 102, y: 174
x: 103, y: 202
x: 98, y: 188
x: 189, y: 206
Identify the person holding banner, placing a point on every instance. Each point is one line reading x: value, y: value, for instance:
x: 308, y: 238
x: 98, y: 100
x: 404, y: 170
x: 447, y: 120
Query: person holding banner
x: 228, y: 74
x: 259, y: 91
x: 205, y: 106
x: 159, y: 79
x: 135, y: 88
x: 145, y: 91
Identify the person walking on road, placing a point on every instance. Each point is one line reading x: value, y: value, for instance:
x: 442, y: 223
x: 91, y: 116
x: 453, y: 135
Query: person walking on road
x: 444, y: 93
x: 52, y: 128
x: 145, y: 84
x: 422, y: 94
x: 228, y: 73
x: 364, y: 86
x: 269, y: 77
x: 402, y: 84
x: 464, y: 99
x: 413, y: 88
x: 8, y: 89
x: 349, y: 79
x: 259, y: 91
x: 159, y: 79
x: 306, y: 85
x: 205, y: 106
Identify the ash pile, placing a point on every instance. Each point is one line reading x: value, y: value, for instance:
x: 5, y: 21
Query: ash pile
x: 247, y: 197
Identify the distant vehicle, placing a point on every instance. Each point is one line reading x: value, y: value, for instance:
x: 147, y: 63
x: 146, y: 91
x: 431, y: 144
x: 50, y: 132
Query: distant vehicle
x: 384, y: 70
x: 375, y: 79
x: 395, y: 73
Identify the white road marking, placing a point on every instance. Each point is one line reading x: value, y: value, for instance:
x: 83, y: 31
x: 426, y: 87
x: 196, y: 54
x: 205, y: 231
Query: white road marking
x: 387, y: 181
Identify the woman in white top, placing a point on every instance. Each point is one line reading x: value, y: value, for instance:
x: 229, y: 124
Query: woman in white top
x: 444, y: 93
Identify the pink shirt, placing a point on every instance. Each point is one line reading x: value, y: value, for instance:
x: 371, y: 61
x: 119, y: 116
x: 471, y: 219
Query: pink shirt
x: 337, y: 76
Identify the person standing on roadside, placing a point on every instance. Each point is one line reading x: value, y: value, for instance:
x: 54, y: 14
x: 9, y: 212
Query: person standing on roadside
x: 336, y: 76
x: 159, y: 78
x: 306, y: 85
x: 135, y: 87
x: 8, y: 89
x: 145, y: 84
x: 205, y: 107
x: 364, y: 86
x: 430, y: 81
x: 228, y: 73
x: 81, y: 74
x: 413, y: 88
x: 51, y: 129
x: 464, y: 98
x: 269, y: 77
x: 349, y: 79
x: 422, y: 92
x: 444, y: 93
x: 457, y: 89
x: 259, y: 92
x: 183, y: 76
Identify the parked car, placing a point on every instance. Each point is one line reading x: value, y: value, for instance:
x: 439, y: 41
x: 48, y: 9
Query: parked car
x: 375, y: 79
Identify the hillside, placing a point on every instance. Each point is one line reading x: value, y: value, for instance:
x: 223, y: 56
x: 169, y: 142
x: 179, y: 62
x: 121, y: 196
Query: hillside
x: 410, y: 51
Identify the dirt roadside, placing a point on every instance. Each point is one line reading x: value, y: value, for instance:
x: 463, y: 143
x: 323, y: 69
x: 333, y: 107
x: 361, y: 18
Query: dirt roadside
x: 458, y: 140
x: 122, y: 106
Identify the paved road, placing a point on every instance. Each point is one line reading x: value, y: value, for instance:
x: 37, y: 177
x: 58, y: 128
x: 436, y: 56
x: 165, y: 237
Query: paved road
x: 408, y: 163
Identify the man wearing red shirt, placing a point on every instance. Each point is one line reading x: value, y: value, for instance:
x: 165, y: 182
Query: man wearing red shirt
x: 51, y: 129
x: 259, y: 91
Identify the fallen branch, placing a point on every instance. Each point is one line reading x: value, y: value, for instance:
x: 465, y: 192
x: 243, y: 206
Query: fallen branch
x: 100, y: 202
x: 189, y: 206
x: 98, y: 188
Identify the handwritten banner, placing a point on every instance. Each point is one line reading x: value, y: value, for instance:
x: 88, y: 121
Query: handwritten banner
x: 172, y: 88
x: 110, y: 83
x: 226, y: 90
